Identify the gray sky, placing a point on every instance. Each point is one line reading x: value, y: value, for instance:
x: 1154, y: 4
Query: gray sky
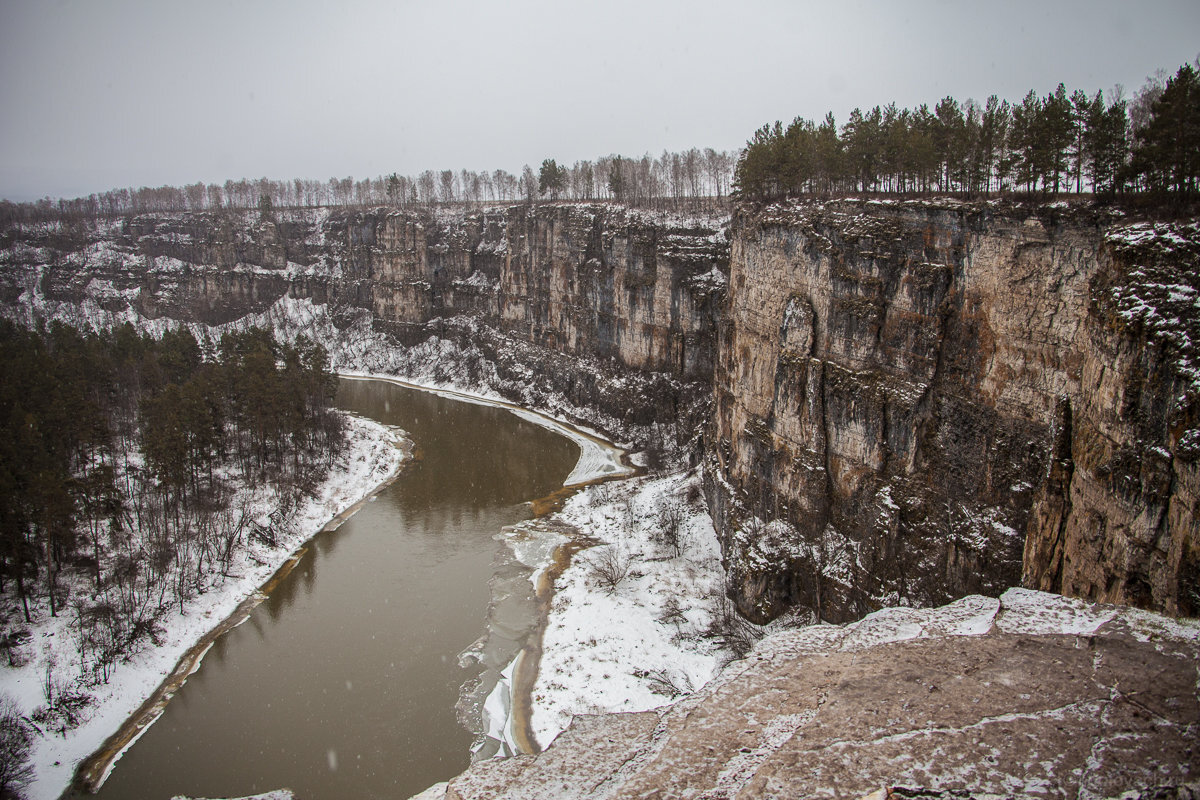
x: 99, y: 95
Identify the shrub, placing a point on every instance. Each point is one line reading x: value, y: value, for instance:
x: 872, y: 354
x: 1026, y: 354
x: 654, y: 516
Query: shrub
x: 735, y: 633
x: 670, y: 521
x: 15, y: 744
x: 609, y: 567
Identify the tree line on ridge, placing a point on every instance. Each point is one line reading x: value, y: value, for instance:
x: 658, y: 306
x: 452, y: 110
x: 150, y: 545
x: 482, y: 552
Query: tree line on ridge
x: 1057, y: 143
x: 694, y: 178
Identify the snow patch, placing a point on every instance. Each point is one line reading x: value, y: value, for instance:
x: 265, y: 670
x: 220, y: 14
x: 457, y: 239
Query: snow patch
x: 1032, y: 612
x: 641, y: 645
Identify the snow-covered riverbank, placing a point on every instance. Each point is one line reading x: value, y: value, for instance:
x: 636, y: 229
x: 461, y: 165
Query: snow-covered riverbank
x: 640, y: 643
x: 630, y: 642
x: 373, y: 456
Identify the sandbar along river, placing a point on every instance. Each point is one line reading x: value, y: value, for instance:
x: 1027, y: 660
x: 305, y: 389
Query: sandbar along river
x: 343, y: 682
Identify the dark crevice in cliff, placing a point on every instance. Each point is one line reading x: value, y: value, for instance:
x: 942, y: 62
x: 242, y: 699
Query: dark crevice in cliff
x: 1046, y: 543
x: 1058, y: 483
x: 925, y: 408
x: 823, y: 518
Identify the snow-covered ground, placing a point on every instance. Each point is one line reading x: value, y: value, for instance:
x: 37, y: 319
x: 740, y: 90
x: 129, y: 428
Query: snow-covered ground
x: 641, y: 644
x: 372, y: 457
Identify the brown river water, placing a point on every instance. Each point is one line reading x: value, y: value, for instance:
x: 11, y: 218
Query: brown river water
x: 343, y: 683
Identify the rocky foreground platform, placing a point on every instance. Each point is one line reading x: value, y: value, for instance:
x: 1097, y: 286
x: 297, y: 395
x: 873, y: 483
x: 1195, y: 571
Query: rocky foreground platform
x: 1029, y: 695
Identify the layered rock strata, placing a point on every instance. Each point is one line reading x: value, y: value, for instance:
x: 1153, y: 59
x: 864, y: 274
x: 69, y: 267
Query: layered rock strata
x: 917, y: 401
x: 1028, y: 696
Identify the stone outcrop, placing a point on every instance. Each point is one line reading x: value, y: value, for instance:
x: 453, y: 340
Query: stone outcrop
x: 1028, y: 696
x: 916, y: 401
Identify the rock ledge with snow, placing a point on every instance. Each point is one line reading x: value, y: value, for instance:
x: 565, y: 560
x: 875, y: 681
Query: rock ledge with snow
x: 1031, y: 695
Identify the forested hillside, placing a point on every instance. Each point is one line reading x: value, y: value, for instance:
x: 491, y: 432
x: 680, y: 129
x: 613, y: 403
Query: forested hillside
x: 119, y: 464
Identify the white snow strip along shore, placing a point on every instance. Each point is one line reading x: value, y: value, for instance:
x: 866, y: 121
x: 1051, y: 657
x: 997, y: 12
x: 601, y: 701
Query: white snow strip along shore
x: 372, y: 458
x: 598, y: 458
x: 643, y: 644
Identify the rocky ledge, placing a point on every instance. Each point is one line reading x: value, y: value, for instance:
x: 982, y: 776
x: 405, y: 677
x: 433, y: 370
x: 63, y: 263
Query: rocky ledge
x: 1029, y: 696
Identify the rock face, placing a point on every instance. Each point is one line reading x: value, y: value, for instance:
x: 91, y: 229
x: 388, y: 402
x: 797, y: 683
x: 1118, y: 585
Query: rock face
x: 1028, y: 696
x: 902, y: 401
x: 917, y: 401
x: 1116, y: 517
x: 591, y: 294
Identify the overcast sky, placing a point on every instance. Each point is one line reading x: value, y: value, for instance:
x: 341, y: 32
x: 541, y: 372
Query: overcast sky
x: 98, y: 95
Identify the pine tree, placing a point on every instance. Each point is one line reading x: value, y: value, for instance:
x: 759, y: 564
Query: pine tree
x: 1081, y: 107
x: 1105, y: 143
x: 1056, y: 132
x: 616, y: 179
x: 1167, y: 153
x: 1025, y: 122
x: 551, y: 179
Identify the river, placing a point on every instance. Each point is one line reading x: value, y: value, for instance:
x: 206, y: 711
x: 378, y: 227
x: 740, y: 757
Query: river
x: 343, y: 682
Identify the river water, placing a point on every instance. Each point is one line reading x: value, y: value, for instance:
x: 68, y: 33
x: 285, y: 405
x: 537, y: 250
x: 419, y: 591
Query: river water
x: 343, y: 683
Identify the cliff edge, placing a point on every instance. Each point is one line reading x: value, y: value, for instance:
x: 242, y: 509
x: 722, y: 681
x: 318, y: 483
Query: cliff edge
x: 1027, y: 696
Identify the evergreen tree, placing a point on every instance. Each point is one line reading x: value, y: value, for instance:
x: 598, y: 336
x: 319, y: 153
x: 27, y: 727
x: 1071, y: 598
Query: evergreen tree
x: 551, y: 179
x: 1024, y: 141
x: 1081, y: 108
x: 1167, y: 153
x: 1056, y: 131
x: 1106, y: 143
x: 616, y: 179
x: 948, y: 137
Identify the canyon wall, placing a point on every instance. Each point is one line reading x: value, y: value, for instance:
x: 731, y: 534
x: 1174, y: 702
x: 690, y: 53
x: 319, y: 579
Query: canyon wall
x: 901, y: 402
x: 917, y: 401
x: 604, y: 308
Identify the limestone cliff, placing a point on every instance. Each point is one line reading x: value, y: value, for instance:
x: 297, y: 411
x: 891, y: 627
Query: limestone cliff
x: 609, y: 308
x: 1117, y: 517
x: 915, y: 399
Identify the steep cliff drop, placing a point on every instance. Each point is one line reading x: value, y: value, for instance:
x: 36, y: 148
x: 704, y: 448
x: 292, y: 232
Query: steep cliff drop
x: 915, y: 401
x: 895, y: 403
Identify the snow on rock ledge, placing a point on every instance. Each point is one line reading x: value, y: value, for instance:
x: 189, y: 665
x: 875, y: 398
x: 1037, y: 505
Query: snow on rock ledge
x: 1029, y: 696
